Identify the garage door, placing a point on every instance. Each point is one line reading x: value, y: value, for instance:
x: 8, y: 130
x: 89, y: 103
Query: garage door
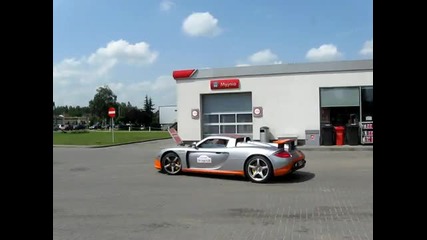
x: 229, y: 113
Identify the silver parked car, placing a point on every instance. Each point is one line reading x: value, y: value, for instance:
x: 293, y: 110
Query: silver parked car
x: 233, y: 155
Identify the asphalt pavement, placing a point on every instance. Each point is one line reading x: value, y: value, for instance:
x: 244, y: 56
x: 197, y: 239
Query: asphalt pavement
x: 116, y: 193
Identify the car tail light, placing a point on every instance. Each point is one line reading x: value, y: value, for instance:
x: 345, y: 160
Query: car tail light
x: 282, y: 154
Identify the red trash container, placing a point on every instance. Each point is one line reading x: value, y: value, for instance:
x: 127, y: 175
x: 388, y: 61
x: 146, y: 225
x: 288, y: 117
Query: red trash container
x: 339, y: 130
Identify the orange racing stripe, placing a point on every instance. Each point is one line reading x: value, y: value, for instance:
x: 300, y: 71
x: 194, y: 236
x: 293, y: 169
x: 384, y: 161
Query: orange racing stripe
x: 210, y: 171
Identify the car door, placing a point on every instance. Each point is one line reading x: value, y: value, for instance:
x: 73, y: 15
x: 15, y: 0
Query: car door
x: 208, y: 154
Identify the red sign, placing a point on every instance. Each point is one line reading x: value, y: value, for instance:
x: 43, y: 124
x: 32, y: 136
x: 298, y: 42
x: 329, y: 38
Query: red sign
x: 225, y: 83
x: 111, y: 112
x: 172, y: 131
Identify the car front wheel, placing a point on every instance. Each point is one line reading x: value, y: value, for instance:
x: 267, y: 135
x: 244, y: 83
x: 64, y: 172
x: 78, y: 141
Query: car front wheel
x: 258, y: 169
x: 171, y: 164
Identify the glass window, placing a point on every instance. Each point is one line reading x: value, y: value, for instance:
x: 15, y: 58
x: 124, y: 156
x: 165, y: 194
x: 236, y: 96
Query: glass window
x: 211, y: 129
x: 228, y: 118
x: 244, y: 129
x: 244, y: 117
x: 210, y: 118
x: 228, y: 128
x: 227, y: 123
x: 339, y: 97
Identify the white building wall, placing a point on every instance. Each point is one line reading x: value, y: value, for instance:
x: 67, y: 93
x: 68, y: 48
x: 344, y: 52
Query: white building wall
x: 188, y: 98
x: 290, y: 102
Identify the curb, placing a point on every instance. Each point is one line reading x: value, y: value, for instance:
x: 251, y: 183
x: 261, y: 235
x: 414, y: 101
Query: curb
x: 108, y: 145
x: 336, y: 148
x: 303, y: 148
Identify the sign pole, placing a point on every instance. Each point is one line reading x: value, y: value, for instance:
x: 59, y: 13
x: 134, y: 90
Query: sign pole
x: 112, y: 129
x: 112, y: 114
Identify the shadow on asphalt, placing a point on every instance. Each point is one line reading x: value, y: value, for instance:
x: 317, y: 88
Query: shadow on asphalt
x: 296, y: 177
x: 224, y: 177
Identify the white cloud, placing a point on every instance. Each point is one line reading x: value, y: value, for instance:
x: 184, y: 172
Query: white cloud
x: 201, y: 24
x: 265, y: 57
x: 326, y: 52
x: 138, y: 53
x: 242, y: 65
x: 368, y: 49
x: 166, y: 5
x: 75, y: 80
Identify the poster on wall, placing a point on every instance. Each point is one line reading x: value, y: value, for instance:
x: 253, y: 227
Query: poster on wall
x: 367, y: 132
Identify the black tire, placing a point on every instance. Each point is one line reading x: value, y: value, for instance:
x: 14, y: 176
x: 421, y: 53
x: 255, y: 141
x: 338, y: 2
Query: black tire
x: 258, y: 169
x: 171, y: 164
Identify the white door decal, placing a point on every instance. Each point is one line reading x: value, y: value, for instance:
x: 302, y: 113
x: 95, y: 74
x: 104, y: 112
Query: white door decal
x: 204, y: 159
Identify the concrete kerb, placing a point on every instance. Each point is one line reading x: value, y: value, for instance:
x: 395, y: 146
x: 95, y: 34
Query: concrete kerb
x: 337, y: 148
x: 303, y: 147
x: 109, y: 145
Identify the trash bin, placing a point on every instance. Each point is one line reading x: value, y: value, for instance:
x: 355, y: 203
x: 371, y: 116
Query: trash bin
x: 327, y: 135
x: 312, y: 137
x: 264, y: 134
x: 352, y: 134
x: 339, y: 130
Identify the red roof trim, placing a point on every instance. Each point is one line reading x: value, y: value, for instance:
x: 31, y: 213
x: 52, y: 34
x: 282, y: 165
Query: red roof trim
x: 182, y: 74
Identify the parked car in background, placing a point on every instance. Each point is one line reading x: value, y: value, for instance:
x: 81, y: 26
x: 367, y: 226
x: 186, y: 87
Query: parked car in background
x: 96, y: 126
x: 79, y: 127
x: 121, y: 126
x: 62, y: 127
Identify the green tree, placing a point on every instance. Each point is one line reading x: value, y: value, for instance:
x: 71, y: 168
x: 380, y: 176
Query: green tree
x: 148, y: 105
x: 148, y: 109
x: 103, y: 99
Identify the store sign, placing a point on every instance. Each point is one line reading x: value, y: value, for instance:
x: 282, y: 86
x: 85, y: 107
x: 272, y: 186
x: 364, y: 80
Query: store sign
x: 225, y: 83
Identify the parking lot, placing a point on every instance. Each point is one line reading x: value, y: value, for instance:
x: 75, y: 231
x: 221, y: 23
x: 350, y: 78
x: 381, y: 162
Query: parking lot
x: 116, y: 193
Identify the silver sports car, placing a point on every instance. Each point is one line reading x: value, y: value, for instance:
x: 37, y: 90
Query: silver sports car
x: 233, y: 155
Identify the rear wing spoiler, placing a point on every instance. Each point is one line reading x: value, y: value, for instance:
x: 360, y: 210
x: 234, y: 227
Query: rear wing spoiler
x: 174, y: 134
x: 287, y: 144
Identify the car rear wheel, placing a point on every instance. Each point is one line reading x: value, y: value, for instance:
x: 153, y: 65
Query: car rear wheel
x: 258, y: 169
x: 171, y: 163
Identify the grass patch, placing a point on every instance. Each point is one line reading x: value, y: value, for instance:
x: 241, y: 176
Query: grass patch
x: 105, y: 138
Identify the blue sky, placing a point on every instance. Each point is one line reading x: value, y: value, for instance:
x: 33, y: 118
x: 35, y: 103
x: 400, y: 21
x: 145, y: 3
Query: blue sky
x: 134, y: 45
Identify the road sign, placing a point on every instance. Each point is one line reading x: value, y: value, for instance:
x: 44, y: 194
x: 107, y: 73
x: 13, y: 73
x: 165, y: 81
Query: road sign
x: 111, y: 112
